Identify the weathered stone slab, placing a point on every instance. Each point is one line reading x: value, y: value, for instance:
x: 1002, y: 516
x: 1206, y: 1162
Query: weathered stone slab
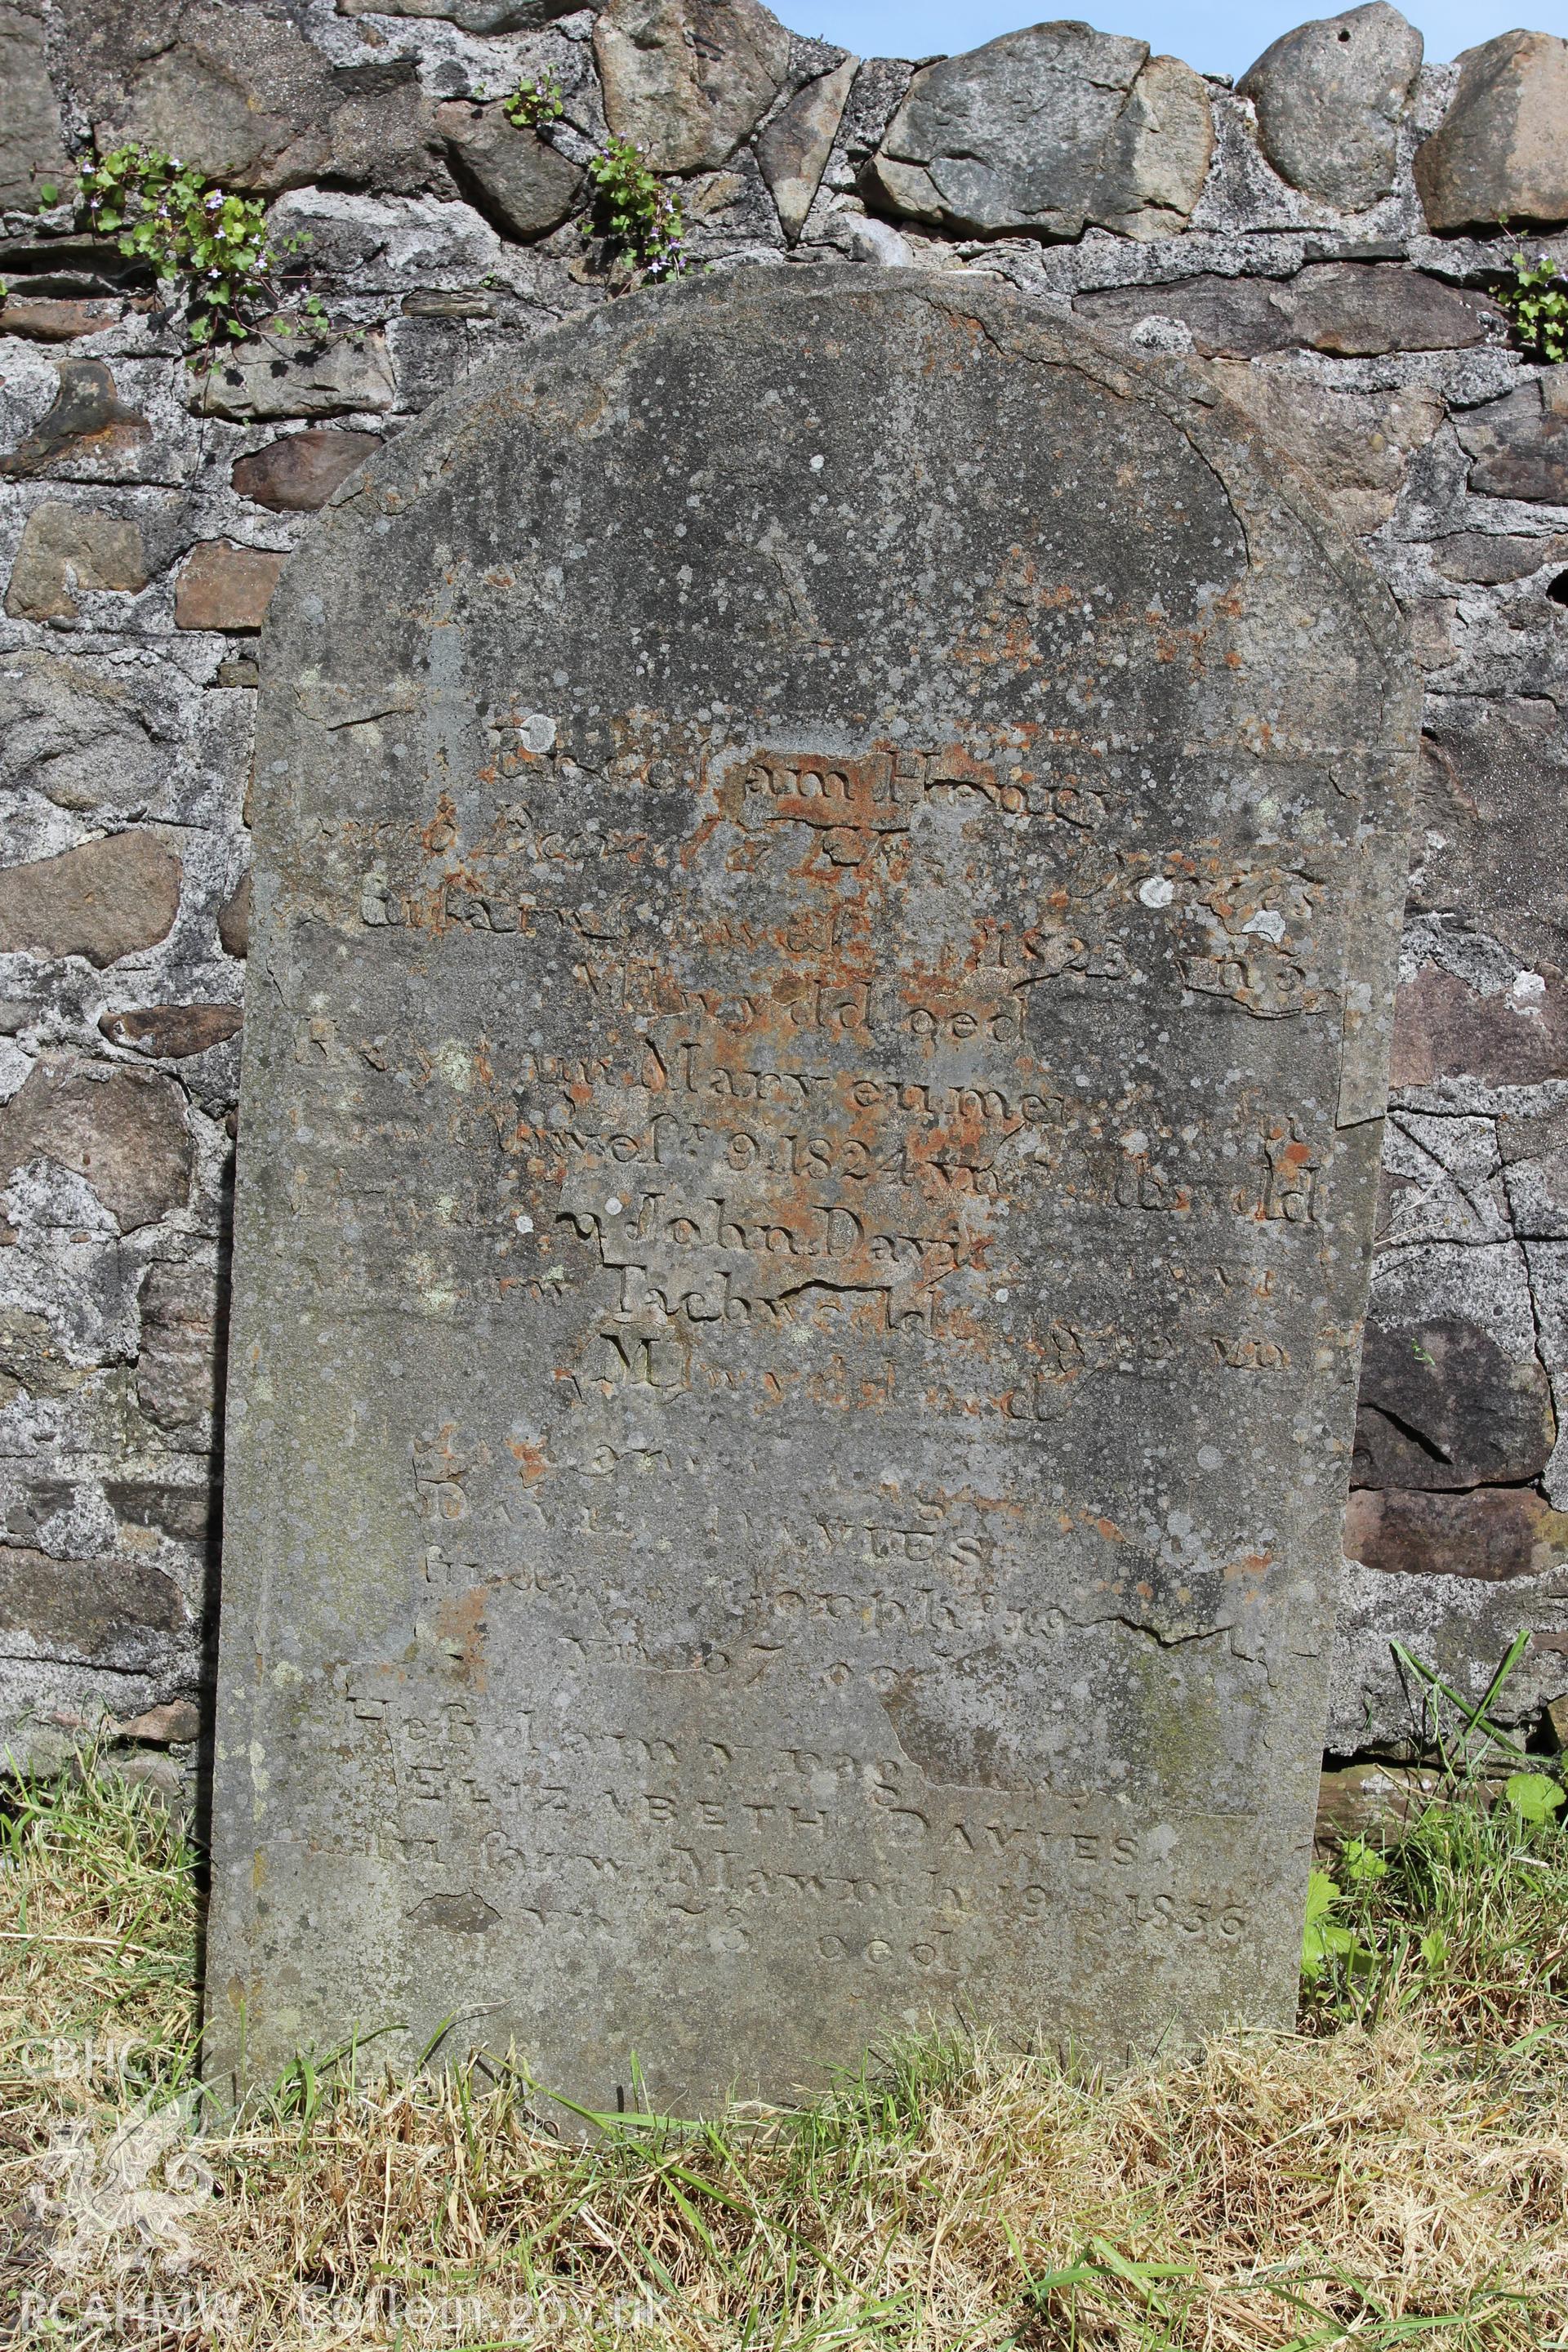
x: 224, y: 587
x: 32, y: 151
x: 817, y: 1027
x: 1499, y: 154
x: 262, y: 382
x: 65, y: 550
x: 1044, y: 130
x: 1519, y: 442
x: 1492, y: 789
x: 247, y: 99
x: 298, y: 473
x: 1330, y: 97
x: 517, y: 179
x: 687, y: 80
x: 1353, y: 310
x: 792, y: 151
x: 102, y: 901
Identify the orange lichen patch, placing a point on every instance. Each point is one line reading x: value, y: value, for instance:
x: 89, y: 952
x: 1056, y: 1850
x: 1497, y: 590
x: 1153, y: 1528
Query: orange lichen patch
x: 533, y: 1463
x: 728, y: 798
x: 461, y: 1625
x: 441, y: 831
x: 1253, y: 1565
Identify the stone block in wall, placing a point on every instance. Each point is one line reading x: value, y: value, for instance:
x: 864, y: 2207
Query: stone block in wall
x: 1532, y: 1147
x: 376, y: 246
x: 1044, y: 132
x: 67, y: 549
x: 45, y: 319
x: 171, y: 1725
x: 172, y: 1032
x: 32, y: 149
x: 182, y: 1505
x: 298, y: 473
x: 1158, y: 155
x: 32, y: 1361
x: 121, y: 1613
x: 226, y: 587
x: 688, y: 80
x: 122, y: 1131
x: 73, y: 267
x: 1501, y: 153
x: 1460, y: 1626
x: 1453, y: 1393
x: 468, y: 15
x: 793, y: 149
x: 1519, y: 444
x: 1353, y: 445
x: 726, y: 206
x: 524, y: 186
x: 1445, y: 1027
x: 1349, y: 309
x: 875, y: 94
x: 1547, y: 1259
x: 1441, y: 1179
x: 430, y: 355
x: 1379, y: 1801
x: 88, y: 425
x: 1492, y: 790
x: 261, y: 381
x: 1329, y: 99
x: 176, y: 1367
x: 242, y: 94
x: 102, y: 901
x: 861, y: 237
x: 1491, y: 559
x: 1495, y: 1533
x: 86, y: 737
x: 234, y: 920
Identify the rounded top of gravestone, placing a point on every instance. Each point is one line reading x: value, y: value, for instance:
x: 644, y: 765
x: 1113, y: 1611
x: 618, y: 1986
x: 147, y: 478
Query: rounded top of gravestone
x: 734, y: 478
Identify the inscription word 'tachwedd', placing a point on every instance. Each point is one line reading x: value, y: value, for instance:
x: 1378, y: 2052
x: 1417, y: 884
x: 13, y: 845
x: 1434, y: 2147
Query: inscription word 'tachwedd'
x: 827, y: 865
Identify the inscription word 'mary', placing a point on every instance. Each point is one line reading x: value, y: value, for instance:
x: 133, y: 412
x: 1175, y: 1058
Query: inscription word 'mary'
x: 827, y: 863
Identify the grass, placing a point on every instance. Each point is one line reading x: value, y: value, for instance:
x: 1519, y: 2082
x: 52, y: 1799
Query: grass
x: 1394, y: 2174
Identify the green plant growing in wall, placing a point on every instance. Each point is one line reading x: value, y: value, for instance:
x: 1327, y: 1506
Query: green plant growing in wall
x: 208, y: 248
x: 533, y: 102
x: 1536, y: 301
x: 636, y: 212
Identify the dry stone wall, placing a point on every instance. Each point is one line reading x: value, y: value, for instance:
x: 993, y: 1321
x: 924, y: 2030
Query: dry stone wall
x: 1320, y: 242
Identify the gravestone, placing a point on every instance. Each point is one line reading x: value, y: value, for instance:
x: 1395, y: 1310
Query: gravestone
x: 827, y: 866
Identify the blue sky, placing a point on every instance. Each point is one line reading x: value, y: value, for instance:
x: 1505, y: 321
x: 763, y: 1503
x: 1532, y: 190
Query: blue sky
x: 1215, y: 36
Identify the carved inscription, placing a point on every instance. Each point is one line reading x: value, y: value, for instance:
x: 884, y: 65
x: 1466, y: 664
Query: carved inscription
x: 823, y: 872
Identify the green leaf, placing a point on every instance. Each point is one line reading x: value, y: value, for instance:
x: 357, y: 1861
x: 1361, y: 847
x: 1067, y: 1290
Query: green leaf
x: 1321, y: 1935
x: 1361, y: 1862
x: 1532, y: 1796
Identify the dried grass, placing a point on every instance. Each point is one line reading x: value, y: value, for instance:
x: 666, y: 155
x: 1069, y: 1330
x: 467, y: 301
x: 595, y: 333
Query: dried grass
x: 1396, y: 2173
